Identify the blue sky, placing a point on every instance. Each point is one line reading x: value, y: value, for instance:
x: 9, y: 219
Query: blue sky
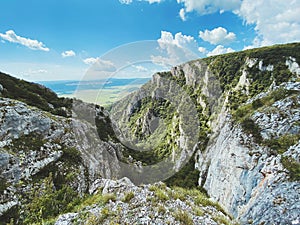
x: 59, y: 40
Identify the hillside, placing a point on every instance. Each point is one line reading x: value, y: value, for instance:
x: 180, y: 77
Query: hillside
x: 221, y: 132
x: 34, y: 95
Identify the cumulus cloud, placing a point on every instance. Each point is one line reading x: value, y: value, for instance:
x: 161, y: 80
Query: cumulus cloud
x: 275, y: 21
x: 100, y: 64
x: 69, y: 53
x: 11, y: 36
x: 220, y: 49
x: 179, y: 39
x: 178, y: 48
x: 217, y: 36
x: 202, y: 50
x: 208, y: 6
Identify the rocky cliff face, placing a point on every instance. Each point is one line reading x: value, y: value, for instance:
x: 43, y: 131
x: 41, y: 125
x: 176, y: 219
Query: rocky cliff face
x: 251, y: 163
x: 249, y: 178
x: 248, y: 108
x: 36, y: 144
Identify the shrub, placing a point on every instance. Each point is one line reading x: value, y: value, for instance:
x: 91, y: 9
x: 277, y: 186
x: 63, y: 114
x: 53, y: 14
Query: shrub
x: 281, y: 144
x: 3, y: 184
x: 72, y: 155
x: 161, y: 209
x: 183, y: 217
x: 108, y: 197
x: 186, y: 177
x: 221, y: 220
x: 161, y: 195
x: 34, y: 95
x: 128, y: 196
x: 292, y: 166
x: 47, y: 202
x: 250, y: 127
x: 198, y: 211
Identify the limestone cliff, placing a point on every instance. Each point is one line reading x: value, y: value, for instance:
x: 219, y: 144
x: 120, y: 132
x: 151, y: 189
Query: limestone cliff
x: 247, y: 105
x: 37, y: 146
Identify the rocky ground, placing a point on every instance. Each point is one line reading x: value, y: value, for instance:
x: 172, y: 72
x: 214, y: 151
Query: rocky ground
x: 121, y: 202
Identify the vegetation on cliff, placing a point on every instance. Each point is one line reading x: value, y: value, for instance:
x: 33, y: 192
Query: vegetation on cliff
x: 34, y: 95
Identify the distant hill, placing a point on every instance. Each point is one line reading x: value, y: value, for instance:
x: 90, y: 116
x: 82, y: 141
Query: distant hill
x: 34, y: 94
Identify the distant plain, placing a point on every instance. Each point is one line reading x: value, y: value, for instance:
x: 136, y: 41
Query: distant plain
x: 102, y: 92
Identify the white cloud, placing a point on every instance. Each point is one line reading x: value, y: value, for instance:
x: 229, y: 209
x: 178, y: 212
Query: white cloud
x: 100, y: 64
x: 179, y: 39
x: 182, y: 14
x: 99, y: 68
x: 276, y: 21
x: 202, y: 50
x: 127, y: 2
x: 175, y: 49
x: 140, y: 68
x: 208, y: 6
x: 39, y: 71
x: 217, y: 36
x: 69, y: 53
x: 255, y: 44
x: 90, y: 61
x: 11, y: 36
x: 220, y: 49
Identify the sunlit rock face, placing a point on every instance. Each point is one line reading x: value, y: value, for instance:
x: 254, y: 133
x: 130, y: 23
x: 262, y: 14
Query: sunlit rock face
x: 35, y: 143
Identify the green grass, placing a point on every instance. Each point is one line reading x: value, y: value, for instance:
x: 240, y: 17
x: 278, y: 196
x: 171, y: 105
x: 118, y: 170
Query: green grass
x: 281, y: 145
x: 128, y: 196
x: 219, y: 219
x: 161, y: 209
x: 243, y: 114
x: 183, y: 217
x: 105, y: 96
x: 47, y: 203
x: 34, y: 95
x: 228, y: 67
x: 293, y: 167
x: 160, y: 192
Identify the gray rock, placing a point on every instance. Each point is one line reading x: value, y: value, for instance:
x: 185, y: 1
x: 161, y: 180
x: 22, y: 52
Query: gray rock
x: 19, y: 121
x: 66, y: 219
x: 144, y: 207
x: 243, y: 177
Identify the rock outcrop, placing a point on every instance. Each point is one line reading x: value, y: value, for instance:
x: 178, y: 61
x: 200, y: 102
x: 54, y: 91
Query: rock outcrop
x: 248, y: 178
x: 121, y: 202
x: 35, y: 143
